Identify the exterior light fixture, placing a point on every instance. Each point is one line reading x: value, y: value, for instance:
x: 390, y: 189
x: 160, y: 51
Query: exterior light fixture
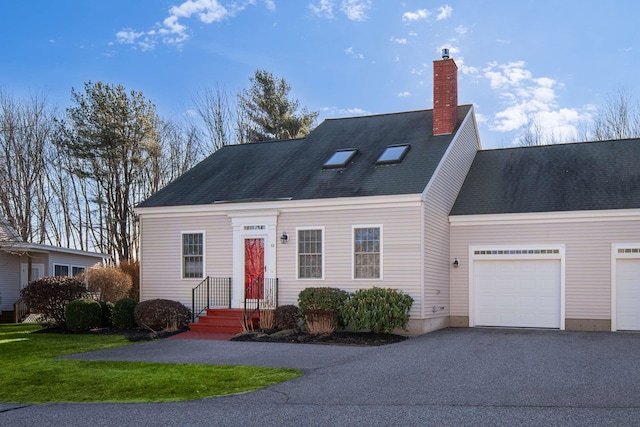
x: 456, y: 263
x: 284, y: 238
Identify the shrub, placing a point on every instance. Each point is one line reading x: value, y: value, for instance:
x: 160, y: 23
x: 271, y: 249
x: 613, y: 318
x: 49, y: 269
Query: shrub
x: 83, y: 314
x: 107, y: 314
x: 330, y: 299
x: 267, y: 318
x: 286, y: 317
x: 377, y: 309
x: 123, y: 313
x: 50, y: 295
x: 162, y: 314
x: 320, y: 308
x: 110, y: 282
x: 132, y: 268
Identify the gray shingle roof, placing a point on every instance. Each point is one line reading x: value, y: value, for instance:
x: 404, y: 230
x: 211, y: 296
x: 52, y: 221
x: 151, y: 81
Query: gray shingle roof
x: 292, y: 169
x: 553, y: 178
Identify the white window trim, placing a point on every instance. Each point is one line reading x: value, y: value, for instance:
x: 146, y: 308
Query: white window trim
x: 321, y: 228
x: 615, y: 256
x: 84, y: 268
x: 560, y: 255
x: 353, y: 252
x: 57, y: 264
x: 204, y: 255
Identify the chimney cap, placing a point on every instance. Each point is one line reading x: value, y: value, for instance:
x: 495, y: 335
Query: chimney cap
x: 445, y: 53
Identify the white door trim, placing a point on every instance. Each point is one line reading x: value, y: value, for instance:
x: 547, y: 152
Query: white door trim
x: 245, y: 226
x: 619, y: 251
x: 516, y: 252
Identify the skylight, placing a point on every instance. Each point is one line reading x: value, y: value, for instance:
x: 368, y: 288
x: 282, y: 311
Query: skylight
x: 340, y: 158
x: 393, y: 154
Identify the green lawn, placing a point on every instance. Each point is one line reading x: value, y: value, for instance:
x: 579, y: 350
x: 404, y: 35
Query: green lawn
x: 29, y: 372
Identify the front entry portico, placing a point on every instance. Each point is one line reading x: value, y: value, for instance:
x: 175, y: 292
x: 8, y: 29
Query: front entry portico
x: 254, y: 253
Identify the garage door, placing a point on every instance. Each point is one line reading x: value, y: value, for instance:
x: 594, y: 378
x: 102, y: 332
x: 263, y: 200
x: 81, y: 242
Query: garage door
x: 628, y: 294
x: 517, y: 293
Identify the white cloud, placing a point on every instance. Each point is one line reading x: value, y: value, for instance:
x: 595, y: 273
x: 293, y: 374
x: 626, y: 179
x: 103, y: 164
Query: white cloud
x: 349, y: 51
x: 343, y: 112
x: 529, y: 102
x: 418, y: 15
x: 128, y: 36
x: 173, y: 31
x: 413, y: 34
x: 461, y: 30
x: 404, y: 94
x: 398, y: 40
x: 355, y: 9
x: 444, y: 12
x: 323, y: 9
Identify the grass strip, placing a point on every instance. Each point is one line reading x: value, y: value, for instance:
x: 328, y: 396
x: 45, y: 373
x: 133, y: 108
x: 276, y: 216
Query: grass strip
x: 28, y: 372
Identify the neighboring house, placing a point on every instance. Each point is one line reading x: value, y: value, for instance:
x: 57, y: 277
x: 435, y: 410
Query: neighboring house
x: 549, y: 237
x: 545, y: 237
x: 359, y: 202
x: 21, y: 262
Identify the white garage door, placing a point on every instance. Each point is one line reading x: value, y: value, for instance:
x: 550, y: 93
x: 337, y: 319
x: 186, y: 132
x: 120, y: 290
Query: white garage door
x: 517, y: 293
x: 628, y: 294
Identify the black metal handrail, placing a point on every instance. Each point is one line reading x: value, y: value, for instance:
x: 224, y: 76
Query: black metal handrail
x: 261, y: 293
x: 211, y: 292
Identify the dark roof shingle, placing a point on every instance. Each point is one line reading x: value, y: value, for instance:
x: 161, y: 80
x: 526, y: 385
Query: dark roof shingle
x: 553, y: 178
x: 292, y: 169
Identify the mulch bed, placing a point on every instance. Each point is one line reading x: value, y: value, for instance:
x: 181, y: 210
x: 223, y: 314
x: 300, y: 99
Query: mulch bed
x: 336, y: 338
x: 289, y: 336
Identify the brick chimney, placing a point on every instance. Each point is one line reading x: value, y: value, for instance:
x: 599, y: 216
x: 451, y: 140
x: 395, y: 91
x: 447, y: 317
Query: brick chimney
x: 445, y: 95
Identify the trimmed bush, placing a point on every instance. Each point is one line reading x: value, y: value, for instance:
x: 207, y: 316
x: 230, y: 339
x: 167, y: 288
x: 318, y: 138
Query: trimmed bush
x: 50, y: 295
x: 377, y: 309
x: 320, y: 308
x: 107, y: 314
x: 286, y: 317
x: 123, y: 314
x: 162, y: 314
x: 83, y: 314
x: 110, y: 282
x: 132, y: 268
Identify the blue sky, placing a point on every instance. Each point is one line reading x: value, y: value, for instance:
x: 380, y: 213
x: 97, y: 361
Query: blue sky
x: 558, y: 61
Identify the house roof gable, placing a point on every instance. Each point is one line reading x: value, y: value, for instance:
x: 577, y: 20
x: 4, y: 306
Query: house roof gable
x: 553, y: 178
x: 293, y: 169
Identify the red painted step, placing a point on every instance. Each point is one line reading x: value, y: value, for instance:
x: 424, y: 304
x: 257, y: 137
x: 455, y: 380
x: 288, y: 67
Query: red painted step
x: 222, y: 320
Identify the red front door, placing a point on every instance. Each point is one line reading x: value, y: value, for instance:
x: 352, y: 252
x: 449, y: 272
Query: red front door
x: 254, y: 268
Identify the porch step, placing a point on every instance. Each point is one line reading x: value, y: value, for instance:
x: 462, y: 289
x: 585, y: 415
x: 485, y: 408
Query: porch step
x: 222, y: 320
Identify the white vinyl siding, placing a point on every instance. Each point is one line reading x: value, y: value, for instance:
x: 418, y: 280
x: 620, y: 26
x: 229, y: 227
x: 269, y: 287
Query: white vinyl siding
x: 401, y: 261
x: 587, y: 251
x: 439, y: 199
x: 160, y: 253
x: 9, y: 280
x: 72, y: 262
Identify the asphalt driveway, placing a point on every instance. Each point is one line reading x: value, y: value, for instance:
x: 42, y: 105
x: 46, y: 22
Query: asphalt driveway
x: 450, y: 377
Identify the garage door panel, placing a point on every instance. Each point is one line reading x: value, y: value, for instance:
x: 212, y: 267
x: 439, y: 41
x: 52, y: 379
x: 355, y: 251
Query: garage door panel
x: 628, y: 294
x: 517, y: 293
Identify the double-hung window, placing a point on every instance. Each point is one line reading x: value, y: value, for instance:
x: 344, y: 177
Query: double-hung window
x: 192, y: 255
x: 367, y: 254
x: 60, y: 270
x: 310, y: 249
